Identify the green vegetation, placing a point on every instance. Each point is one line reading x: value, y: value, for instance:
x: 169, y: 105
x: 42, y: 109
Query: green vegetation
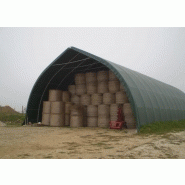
x: 12, y: 119
x: 163, y: 127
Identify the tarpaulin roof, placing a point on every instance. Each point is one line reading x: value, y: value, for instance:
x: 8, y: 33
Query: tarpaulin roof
x: 151, y: 100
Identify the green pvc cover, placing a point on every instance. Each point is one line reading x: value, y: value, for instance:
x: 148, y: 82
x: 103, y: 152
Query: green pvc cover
x: 151, y: 100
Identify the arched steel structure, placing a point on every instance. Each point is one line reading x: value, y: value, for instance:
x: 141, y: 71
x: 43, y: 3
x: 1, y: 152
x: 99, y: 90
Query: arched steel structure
x: 151, y: 100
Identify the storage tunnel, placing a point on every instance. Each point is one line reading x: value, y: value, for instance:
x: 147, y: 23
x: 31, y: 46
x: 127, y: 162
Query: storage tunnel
x: 150, y: 99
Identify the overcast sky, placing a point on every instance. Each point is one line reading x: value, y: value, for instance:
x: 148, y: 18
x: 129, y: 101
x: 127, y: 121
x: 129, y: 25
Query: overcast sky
x: 26, y: 52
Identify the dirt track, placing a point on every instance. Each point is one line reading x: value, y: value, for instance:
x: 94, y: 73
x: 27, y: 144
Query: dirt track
x: 91, y: 143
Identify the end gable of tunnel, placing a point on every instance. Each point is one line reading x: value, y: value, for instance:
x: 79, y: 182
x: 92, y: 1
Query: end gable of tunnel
x: 151, y: 100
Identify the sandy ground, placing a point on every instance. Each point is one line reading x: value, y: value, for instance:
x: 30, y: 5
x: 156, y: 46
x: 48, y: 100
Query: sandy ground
x: 89, y: 143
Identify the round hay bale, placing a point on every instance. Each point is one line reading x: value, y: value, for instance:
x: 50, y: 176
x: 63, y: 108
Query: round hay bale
x: 103, y: 121
x: 90, y: 77
x: 66, y: 96
x: 67, y: 119
x: 92, y: 121
x: 55, y: 95
x: 108, y: 98
x: 114, y: 86
x: 77, y: 110
x: 127, y: 110
x: 91, y: 87
x: 112, y: 76
x: 57, y: 107
x: 102, y: 76
x: 131, y: 122
x: 85, y: 99
x: 80, y: 79
x: 103, y: 87
x: 72, y: 89
x: 46, y: 107
x: 113, y: 117
x: 121, y: 97
x: 96, y: 99
x: 103, y: 110
x: 121, y: 87
x: 46, y: 119
x: 75, y: 99
x: 92, y: 110
x: 68, y: 107
x: 76, y: 120
x: 114, y: 109
x: 81, y: 89
x: 57, y: 120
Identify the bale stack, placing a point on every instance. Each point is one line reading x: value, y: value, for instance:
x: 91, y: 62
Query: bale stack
x: 67, y: 113
x: 91, y: 83
x: 114, y: 84
x: 102, y: 77
x: 57, y: 117
x: 92, y: 115
x: 100, y: 94
x: 54, y: 95
x: 54, y: 108
x: 129, y: 116
x: 92, y: 101
x: 114, y: 87
x: 76, y: 116
x: 80, y: 84
x: 113, y: 112
x: 103, y: 115
x: 46, y: 113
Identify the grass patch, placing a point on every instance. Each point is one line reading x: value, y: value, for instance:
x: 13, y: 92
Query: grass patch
x: 108, y: 147
x: 99, y: 144
x: 48, y: 157
x: 62, y: 152
x: 12, y: 119
x: 163, y: 127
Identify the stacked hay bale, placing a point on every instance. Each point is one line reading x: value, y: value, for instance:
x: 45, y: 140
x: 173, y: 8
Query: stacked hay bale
x: 57, y: 117
x: 46, y: 113
x: 92, y: 115
x: 85, y: 100
x: 79, y: 99
x: 76, y: 116
x: 103, y: 115
x: 101, y: 94
x: 92, y: 108
x: 93, y: 101
x: 54, y: 108
x: 129, y: 117
x: 114, y: 87
x: 68, y: 106
x: 54, y: 95
x: 91, y: 83
x: 103, y: 106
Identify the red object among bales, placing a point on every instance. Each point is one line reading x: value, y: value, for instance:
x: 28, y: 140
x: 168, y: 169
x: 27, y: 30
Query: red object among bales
x: 118, y: 124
